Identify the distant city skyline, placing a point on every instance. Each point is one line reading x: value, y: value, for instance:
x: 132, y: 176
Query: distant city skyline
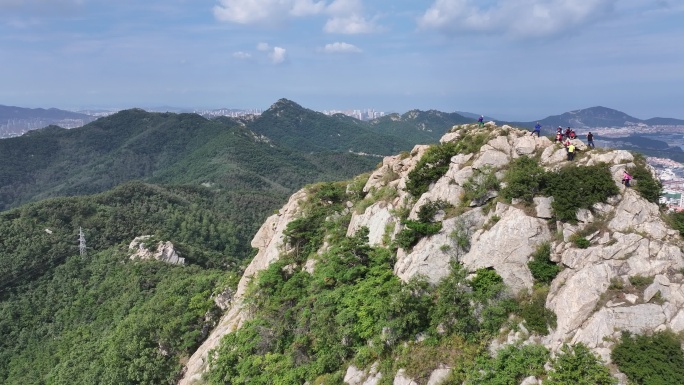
x: 513, y: 59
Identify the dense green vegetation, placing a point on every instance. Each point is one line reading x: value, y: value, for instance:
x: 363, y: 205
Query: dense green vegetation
x: 578, y: 187
x: 577, y: 365
x: 103, y: 318
x: 657, y: 359
x: 572, y: 187
x: 204, y: 225
x: 511, y: 365
x: 524, y: 179
x: 424, y: 226
x: 542, y: 268
x: 676, y: 220
x: 647, y: 185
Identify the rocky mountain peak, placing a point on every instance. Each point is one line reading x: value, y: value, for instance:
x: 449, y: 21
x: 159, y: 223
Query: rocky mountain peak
x: 619, y: 265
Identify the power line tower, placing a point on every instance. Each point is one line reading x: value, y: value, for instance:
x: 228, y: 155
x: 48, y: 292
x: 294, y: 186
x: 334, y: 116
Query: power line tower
x: 81, y: 242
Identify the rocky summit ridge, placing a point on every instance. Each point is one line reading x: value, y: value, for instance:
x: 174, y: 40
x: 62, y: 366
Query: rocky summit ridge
x: 592, y: 296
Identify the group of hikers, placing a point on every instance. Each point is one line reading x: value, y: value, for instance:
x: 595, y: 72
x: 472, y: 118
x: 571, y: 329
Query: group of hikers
x: 567, y: 135
x: 569, y: 146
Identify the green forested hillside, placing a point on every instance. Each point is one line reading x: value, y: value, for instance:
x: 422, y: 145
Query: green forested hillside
x: 208, y: 226
x: 163, y: 148
x: 67, y: 319
x: 289, y: 123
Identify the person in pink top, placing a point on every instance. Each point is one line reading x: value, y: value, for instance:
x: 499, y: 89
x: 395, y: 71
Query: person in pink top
x: 626, y: 178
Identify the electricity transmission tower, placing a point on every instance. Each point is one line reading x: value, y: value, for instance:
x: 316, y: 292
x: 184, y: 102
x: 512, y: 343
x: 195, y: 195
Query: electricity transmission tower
x: 81, y: 242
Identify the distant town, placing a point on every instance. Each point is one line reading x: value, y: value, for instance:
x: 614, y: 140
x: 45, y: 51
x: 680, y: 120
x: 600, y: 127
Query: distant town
x: 671, y: 175
x: 365, y: 114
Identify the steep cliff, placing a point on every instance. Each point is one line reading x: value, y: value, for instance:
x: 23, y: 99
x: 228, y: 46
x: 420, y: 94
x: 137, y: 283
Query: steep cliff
x: 490, y: 202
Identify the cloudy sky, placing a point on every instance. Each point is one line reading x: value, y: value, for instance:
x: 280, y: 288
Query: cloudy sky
x: 511, y: 59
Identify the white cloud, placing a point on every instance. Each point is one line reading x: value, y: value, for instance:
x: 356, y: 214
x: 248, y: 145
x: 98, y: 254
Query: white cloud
x: 520, y: 18
x: 278, y: 55
x: 307, y: 7
x: 350, y: 25
x: 345, y: 16
x: 345, y: 7
x: 263, y: 47
x: 242, y: 55
x: 264, y: 11
x: 341, y: 47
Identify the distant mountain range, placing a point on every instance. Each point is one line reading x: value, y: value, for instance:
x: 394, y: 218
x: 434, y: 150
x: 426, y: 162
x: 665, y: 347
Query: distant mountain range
x: 474, y: 116
x: 15, y: 121
x: 274, y: 153
x: 598, y: 117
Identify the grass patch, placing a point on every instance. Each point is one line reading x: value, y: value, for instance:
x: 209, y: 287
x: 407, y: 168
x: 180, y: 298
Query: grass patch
x: 640, y: 282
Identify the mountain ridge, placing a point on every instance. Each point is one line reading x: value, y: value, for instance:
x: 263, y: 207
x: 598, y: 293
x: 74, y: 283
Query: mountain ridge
x: 586, y: 291
x: 15, y: 121
x: 597, y: 116
x: 590, y: 117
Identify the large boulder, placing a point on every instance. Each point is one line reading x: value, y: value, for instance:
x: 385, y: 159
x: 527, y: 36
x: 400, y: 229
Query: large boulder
x: 573, y: 297
x: 379, y: 220
x: 431, y: 256
x: 508, y: 245
x: 634, y: 214
x: 637, y: 319
x: 356, y: 376
x: 496, y: 153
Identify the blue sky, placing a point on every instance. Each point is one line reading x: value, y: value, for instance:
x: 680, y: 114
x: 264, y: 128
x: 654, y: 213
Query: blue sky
x: 511, y: 59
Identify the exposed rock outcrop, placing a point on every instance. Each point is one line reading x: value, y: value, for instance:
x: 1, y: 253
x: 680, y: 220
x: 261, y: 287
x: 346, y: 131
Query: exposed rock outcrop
x: 164, y: 251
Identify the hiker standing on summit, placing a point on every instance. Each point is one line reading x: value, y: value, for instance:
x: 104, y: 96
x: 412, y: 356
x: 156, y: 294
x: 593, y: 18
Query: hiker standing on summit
x: 480, y: 122
x: 590, y: 140
x: 537, y: 129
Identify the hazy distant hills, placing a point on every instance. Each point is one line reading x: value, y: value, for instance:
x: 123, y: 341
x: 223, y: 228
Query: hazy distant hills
x: 15, y: 121
x: 664, y: 122
x: 473, y: 116
x: 340, y: 132
x: 597, y: 117
x: 419, y: 126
